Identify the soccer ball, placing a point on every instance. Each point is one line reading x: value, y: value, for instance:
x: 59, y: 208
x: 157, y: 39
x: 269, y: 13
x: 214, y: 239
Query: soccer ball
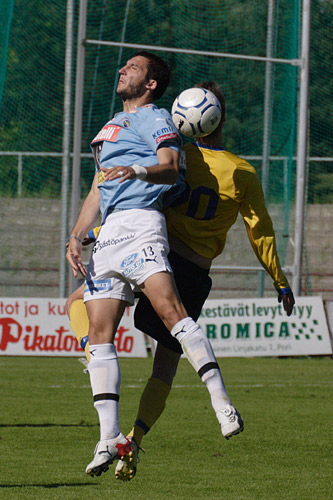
x: 196, y: 112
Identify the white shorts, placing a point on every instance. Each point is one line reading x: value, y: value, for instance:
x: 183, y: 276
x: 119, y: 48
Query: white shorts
x: 131, y: 246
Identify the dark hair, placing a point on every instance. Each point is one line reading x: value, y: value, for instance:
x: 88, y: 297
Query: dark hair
x: 215, y: 88
x: 158, y: 70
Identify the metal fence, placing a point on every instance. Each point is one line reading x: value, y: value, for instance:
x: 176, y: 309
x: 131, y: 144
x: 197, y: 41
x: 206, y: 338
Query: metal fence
x: 216, y: 269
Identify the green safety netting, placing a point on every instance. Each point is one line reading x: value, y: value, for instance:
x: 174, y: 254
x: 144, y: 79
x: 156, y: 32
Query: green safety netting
x: 32, y: 62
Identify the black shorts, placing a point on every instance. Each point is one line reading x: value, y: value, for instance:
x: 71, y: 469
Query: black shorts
x: 193, y: 284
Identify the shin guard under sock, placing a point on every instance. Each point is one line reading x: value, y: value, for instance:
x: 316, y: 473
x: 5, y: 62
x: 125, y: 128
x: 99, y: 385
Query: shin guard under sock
x: 200, y: 354
x: 105, y: 377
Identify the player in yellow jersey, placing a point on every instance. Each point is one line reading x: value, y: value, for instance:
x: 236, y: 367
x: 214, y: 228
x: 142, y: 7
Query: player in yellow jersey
x: 219, y: 186
x: 197, y: 232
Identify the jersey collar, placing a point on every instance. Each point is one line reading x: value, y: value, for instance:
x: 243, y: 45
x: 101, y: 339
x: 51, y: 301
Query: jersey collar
x: 208, y: 147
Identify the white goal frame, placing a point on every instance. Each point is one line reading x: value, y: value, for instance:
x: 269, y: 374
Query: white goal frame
x: 302, y: 122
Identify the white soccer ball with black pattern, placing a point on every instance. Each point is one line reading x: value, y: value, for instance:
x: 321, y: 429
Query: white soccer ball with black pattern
x: 196, y: 112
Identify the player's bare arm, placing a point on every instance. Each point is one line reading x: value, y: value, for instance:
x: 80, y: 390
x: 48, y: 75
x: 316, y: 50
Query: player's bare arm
x: 85, y: 221
x: 165, y: 172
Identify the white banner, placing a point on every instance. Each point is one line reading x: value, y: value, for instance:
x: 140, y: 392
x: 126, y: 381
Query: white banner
x: 236, y: 328
x: 260, y: 327
x: 329, y: 312
x: 40, y: 327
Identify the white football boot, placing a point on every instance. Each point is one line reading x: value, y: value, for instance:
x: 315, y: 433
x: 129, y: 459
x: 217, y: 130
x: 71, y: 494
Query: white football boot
x: 105, y: 453
x: 126, y: 467
x: 230, y: 420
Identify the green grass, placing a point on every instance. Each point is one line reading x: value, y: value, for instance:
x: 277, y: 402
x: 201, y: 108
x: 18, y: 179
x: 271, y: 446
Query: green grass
x: 48, y: 430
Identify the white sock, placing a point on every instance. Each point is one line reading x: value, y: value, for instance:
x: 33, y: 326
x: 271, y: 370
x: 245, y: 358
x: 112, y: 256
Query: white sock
x: 105, y: 383
x: 200, y: 354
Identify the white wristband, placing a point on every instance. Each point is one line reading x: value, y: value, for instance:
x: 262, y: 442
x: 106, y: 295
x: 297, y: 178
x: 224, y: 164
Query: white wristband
x: 140, y: 172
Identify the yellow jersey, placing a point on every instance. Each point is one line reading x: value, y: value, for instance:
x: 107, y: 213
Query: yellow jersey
x: 219, y: 185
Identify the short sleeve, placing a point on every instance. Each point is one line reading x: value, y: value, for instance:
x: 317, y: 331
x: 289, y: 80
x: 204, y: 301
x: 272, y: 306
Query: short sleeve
x: 158, y: 128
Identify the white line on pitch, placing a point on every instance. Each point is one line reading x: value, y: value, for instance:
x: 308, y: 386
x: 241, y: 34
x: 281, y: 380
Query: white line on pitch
x: 182, y: 386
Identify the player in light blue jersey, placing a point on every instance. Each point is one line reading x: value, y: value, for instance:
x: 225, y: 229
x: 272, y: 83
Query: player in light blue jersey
x: 137, y: 173
x: 135, y: 137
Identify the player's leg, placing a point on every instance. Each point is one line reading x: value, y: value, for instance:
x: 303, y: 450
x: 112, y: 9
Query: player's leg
x: 104, y: 317
x: 107, y: 292
x: 76, y: 295
x: 160, y: 289
x: 151, y: 406
x: 162, y: 293
x: 156, y: 391
x: 194, y: 285
x: 78, y: 317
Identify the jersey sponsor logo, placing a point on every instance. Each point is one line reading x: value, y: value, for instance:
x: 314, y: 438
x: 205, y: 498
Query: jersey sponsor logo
x: 136, y: 266
x: 163, y: 131
x: 101, y: 177
x: 108, y: 133
x: 95, y: 286
x: 99, y: 245
x: 166, y: 137
x: 129, y: 260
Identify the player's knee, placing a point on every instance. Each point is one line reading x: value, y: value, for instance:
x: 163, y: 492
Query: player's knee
x: 68, y: 305
x: 76, y: 295
x: 170, y: 314
x: 99, y: 335
x: 164, y: 375
x: 165, y: 364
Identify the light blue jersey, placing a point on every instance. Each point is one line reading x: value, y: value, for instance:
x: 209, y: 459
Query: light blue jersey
x: 134, y: 138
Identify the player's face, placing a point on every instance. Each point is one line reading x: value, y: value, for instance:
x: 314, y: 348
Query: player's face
x: 133, y: 78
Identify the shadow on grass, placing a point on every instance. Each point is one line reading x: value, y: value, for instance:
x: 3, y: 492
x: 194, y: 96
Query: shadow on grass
x: 55, y: 485
x: 81, y: 424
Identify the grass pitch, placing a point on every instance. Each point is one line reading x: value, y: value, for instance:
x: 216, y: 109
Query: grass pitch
x: 48, y: 430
